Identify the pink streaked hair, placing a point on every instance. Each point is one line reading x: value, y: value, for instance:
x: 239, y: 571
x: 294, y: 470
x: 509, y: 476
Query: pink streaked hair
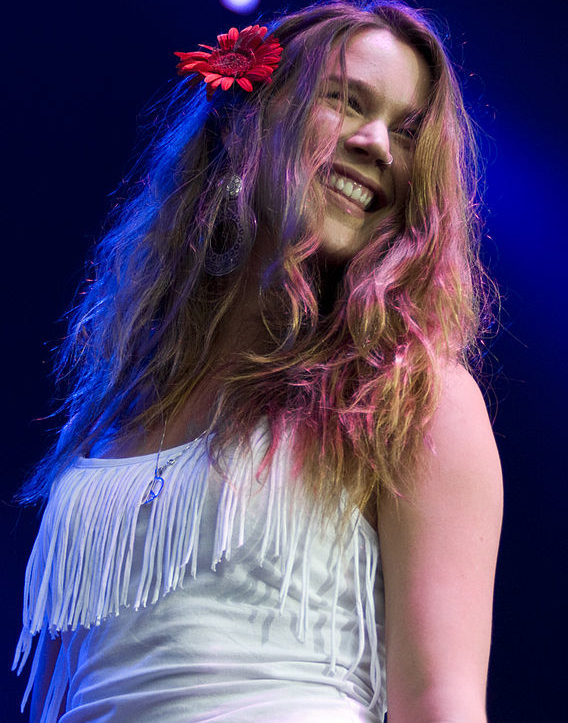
x: 349, y: 366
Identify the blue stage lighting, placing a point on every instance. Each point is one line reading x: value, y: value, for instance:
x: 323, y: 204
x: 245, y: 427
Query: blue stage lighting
x: 241, y: 6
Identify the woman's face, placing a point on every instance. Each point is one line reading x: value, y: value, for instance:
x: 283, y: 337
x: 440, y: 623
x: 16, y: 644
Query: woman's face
x: 387, y: 85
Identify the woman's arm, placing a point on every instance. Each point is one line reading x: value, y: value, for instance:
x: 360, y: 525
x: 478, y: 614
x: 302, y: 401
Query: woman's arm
x: 439, y: 554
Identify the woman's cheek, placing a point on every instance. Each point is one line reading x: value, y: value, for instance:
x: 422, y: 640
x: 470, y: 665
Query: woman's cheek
x: 327, y: 125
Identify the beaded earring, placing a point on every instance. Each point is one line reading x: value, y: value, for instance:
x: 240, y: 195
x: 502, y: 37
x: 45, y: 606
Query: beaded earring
x: 221, y: 263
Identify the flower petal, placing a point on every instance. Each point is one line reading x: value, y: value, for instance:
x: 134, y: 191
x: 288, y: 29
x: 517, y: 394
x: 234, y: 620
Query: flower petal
x: 245, y: 84
x: 228, y: 40
x: 259, y: 73
x: 264, y: 68
x: 253, y: 44
x: 269, y: 48
x: 199, y: 67
x: 217, y: 82
x: 211, y: 77
x: 226, y: 83
x: 195, y: 55
x: 270, y: 56
x: 251, y: 37
x: 189, y: 68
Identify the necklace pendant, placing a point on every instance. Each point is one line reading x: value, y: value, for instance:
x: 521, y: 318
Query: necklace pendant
x: 156, y: 487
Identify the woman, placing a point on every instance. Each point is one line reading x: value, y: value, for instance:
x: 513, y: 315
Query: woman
x: 269, y: 397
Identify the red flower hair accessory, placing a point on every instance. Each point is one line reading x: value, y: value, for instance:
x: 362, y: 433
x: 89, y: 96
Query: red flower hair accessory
x: 243, y: 57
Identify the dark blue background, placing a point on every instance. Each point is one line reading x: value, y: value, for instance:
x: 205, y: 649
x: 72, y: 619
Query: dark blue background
x: 78, y: 74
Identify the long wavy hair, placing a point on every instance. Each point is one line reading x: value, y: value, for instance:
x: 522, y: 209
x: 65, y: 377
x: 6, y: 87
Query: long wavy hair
x: 351, y: 381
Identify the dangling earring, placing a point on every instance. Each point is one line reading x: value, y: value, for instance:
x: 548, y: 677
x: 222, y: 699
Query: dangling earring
x: 220, y: 264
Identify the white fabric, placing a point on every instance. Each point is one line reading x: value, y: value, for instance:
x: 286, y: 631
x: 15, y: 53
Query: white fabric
x: 218, y: 601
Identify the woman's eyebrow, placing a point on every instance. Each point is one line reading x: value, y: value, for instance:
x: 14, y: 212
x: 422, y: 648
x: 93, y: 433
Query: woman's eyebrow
x: 409, y: 113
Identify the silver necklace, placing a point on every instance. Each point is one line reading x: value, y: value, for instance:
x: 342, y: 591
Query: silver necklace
x: 156, y: 484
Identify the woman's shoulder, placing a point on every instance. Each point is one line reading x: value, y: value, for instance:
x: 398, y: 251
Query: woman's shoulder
x: 457, y: 380
x: 461, y: 409
x: 459, y: 445
x: 459, y: 458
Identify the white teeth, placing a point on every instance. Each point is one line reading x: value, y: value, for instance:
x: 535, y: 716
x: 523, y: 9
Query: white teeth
x: 351, y: 189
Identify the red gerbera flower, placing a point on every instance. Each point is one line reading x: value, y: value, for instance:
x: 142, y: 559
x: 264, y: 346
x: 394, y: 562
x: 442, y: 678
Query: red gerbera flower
x: 240, y: 56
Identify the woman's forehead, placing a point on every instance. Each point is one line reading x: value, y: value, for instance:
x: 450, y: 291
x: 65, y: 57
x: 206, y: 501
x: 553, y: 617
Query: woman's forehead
x: 379, y: 61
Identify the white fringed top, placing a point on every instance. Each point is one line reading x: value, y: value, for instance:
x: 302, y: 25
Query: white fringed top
x: 217, y: 601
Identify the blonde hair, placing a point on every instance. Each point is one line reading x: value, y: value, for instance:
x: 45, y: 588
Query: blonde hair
x: 355, y: 384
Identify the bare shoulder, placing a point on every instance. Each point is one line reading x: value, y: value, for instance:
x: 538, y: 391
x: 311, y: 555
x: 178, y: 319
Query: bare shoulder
x: 460, y: 454
x: 459, y: 387
x: 460, y: 430
x: 439, y: 550
x: 460, y: 397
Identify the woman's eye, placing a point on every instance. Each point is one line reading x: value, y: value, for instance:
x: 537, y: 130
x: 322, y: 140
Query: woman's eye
x: 407, y: 133
x: 352, y: 101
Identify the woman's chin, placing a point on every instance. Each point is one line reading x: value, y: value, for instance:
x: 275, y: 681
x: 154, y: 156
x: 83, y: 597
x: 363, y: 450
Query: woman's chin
x: 339, y: 243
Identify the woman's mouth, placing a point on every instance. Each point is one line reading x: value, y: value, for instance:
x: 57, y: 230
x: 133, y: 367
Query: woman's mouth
x: 357, y: 193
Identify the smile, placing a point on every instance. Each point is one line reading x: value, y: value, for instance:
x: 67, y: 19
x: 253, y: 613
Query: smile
x: 355, y: 192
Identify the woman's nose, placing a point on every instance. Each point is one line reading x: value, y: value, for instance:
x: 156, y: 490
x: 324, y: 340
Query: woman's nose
x: 371, y: 141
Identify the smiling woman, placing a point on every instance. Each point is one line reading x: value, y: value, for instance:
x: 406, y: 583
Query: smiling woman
x: 387, y: 87
x: 277, y: 495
